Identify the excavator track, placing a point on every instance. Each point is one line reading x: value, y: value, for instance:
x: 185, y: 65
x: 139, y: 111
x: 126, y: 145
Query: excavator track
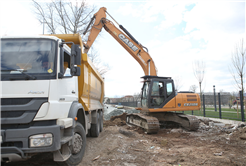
x: 151, y: 122
x: 188, y: 122
x: 193, y: 122
x: 148, y: 123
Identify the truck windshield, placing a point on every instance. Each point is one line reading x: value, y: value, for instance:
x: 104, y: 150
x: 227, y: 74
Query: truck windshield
x: 28, y: 59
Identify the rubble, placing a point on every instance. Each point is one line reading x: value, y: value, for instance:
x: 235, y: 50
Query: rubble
x: 120, y: 144
x: 117, y: 112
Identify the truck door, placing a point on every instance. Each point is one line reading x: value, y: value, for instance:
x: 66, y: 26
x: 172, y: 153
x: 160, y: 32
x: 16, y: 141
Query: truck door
x: 65, y: 88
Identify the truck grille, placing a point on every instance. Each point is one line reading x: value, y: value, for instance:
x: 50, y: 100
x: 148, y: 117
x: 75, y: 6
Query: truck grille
x: 15, y: 101
x: 20, y: 110
x: 11, y: 114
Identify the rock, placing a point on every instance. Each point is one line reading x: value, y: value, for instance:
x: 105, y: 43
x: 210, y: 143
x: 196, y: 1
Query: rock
x: 113, y: 113
x: 218, y: 154
x: 206, y: 120
x: 219, y: 124
x: 164, y: 142
x: 130, y: 111
x: 243, y: 136
x: 227, y: 131
x: 176, y: 131
x: 242, y: 124
x: 211, y: 124
x: 126, y: 133
x: 129, y: 164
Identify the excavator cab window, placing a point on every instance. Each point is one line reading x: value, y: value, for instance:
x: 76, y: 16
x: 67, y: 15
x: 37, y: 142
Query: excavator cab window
x: 145, y: 94
x: 169, y: 89
x: 157, y: 93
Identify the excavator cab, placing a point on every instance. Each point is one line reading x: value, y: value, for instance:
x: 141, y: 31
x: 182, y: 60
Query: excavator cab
x: 157, y: 91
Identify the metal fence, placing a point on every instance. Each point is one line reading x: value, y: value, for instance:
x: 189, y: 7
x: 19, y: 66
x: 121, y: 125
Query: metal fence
x: 219, y: 112
x: 216, y: 106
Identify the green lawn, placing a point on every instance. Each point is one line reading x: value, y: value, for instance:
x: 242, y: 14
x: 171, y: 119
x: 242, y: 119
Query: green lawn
x: 226, y: 113
x: 225, y: 109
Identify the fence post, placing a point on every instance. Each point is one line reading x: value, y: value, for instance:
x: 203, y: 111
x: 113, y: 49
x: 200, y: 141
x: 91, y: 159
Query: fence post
x: 192, y: 112
x: 214, y: 99
x: 241, y: 104
x: 203, y: 102
x: 219, y: 105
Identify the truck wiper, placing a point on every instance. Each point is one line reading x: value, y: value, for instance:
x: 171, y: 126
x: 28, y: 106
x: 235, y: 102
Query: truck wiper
x: 21, y: 71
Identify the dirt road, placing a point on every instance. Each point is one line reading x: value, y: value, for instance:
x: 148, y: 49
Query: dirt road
x: 123, y: 145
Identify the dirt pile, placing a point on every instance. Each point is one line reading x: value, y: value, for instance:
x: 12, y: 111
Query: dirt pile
x: 119, y: 120
x: 238, y: 137
x: 113, y: 113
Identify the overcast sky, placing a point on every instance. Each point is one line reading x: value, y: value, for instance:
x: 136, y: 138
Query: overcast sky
x: 176, y: 33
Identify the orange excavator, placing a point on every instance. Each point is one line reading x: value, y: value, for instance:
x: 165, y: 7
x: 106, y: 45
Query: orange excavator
x: 159, y: 101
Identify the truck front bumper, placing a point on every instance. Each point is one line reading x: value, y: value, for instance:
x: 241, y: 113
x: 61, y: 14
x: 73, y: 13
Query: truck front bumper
x: 15, y: 144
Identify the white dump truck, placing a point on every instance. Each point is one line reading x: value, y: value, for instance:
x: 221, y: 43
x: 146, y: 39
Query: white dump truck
x: 51, y: 98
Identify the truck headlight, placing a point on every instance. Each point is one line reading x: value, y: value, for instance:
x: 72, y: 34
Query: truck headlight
x: 41, y: 140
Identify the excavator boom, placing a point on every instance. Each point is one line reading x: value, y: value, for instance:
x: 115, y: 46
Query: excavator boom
x: 127, y: 41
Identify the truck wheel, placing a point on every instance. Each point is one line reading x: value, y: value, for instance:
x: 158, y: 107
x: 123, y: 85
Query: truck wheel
x: 95, y: 128
x: 101, y: 121
x: 78, y: 147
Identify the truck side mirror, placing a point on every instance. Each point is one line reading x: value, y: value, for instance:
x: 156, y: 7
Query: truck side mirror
x: 75, y: 60
x: 76, y: 54
x: 75, y: 71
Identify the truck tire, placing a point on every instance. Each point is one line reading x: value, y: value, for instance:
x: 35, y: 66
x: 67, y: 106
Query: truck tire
x: 101, y: 121
x: 78, y: 147
x: 95, y: 128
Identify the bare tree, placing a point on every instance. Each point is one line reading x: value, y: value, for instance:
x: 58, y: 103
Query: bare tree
x: 137, y: 96
x: 64, y: 16
x: 101, y: 67
x: 193, y: 88
x: 199, y: 71
x: 237, y: 67
x: 68, y: 17
x: 178, y: 83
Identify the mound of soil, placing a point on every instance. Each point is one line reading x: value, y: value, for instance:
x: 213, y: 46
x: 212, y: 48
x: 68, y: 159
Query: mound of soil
x: 119, y: 120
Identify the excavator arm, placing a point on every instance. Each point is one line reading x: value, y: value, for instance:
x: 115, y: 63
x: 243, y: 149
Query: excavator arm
x: 125, y: 39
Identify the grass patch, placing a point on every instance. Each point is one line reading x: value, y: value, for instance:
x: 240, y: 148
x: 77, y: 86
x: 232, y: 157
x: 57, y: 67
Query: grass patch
x: 225, y: 109
x: 231, y: 115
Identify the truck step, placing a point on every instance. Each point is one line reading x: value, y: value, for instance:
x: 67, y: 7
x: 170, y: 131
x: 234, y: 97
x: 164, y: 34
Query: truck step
x: 66, y: 139
x: 63, y: 154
